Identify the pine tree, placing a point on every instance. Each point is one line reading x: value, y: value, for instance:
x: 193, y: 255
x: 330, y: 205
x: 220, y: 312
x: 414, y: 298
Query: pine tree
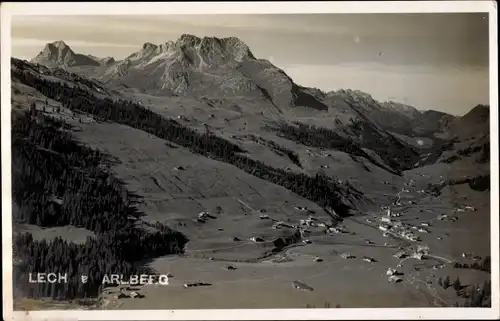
x: 32, y: 109
x: 486, y: 264
x: 457, y: 285
x: 446, y: 282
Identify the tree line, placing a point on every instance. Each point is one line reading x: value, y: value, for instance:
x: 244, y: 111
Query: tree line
x: 474, y: 296
x: 485, y: 265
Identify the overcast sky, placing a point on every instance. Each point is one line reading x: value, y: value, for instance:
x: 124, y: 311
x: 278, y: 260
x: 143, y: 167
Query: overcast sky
x: 430, y: 60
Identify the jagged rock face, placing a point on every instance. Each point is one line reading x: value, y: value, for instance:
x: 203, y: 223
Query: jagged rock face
x: 57, y: 52
x: 405, y: 110
x: 206, y: 66
x: 188, y: 66
x: 119, y: 69
x: 194, y: 52
x: 60, y: 54
x: 108, y: 61
x: 193, y: 66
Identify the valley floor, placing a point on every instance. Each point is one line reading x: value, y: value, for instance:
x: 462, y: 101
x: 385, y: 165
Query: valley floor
x: 350, y: 283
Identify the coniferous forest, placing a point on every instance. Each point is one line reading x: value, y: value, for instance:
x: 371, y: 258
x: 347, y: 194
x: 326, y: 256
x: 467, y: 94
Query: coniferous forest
x: 395, y: 154
x: 58, y: 182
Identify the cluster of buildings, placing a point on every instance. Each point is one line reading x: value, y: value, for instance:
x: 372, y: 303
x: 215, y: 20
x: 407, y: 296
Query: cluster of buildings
x: 398, y: 228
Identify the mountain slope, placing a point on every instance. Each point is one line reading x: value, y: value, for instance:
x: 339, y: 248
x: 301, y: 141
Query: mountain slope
x: 396, y: 117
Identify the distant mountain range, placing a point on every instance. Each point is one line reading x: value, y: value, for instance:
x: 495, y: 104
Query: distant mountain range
x: 221, y: 69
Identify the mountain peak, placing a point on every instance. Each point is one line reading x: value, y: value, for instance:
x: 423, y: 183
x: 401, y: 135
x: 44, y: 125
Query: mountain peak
x: 148, y: 46
x: 59, y: 44
x: 192, y: 50
x: 189, y: 37
x: 478, y: 114
x: 228, y: 46
x: 58, y: 53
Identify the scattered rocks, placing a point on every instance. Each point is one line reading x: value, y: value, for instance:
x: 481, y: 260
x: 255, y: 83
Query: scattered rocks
x: 395, y: 279
x: 301, y: 286
x: 369, y: 259
x: 194, y: 284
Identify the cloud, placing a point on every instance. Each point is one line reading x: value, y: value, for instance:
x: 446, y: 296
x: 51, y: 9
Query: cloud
x: 357, y: 39
x: 293, y: 23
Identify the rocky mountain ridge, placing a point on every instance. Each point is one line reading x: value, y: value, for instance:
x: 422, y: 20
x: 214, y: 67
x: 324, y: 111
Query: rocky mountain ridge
x: 225, y: 68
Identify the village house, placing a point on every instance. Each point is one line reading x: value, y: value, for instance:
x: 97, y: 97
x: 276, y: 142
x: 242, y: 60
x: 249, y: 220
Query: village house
x: 385, y: 219
x: 395, y: 279
x: 383, y: 227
